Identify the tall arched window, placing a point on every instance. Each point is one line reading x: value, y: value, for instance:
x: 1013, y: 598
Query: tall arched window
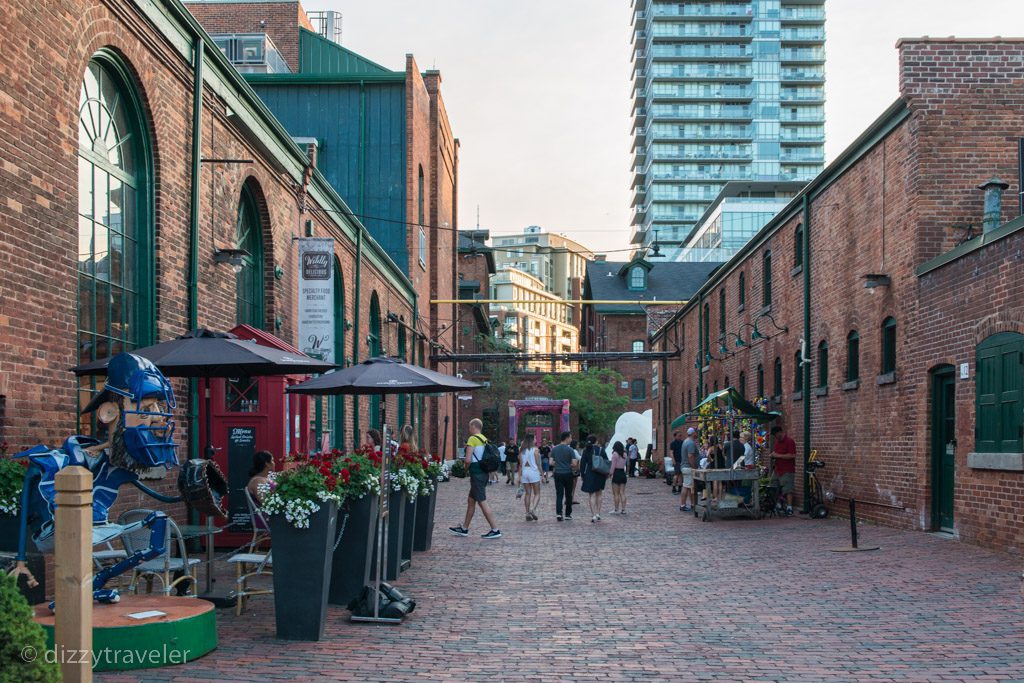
x: 777, y: 380
x: 798, y: 246
x: 115, y: 240
x: 742, y: 293
x: 420, y: 201
x: 852, y: 356
x: 706, y: 348
x: 889, y: 345
x: 766, y: 278
x: 721, y: 311
x: 743, y: 384
x: 336, y: 404
x: 760, y: 381
x: 249, y: 280
x: 374, y: 350
x: 823, y: 364
x: 798, y: 369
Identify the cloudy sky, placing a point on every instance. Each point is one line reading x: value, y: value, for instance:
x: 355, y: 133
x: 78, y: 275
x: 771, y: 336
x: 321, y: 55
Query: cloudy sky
x: 538, y: 92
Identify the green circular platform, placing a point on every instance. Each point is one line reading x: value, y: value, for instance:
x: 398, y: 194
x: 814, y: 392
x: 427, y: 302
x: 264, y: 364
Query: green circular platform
x: 185, y: 631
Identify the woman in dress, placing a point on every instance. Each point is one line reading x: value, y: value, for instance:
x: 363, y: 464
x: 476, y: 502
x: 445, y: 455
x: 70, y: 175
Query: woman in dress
x: 529, y: 477
x: 619, y: 464
x: 593, y: 482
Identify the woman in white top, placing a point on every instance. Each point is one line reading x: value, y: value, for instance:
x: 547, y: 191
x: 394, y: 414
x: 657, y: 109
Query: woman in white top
x: 529, y: 477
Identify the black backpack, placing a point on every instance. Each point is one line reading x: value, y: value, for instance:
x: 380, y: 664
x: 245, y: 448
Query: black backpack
x: 490, y: 461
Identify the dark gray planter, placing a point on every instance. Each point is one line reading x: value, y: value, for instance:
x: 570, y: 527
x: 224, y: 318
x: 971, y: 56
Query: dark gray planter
x: 409, y: 527
x: 9, y: 533
x: 396, y: 524
x: 425, y: 522
x: 351, y: 561
x: 302, y: 573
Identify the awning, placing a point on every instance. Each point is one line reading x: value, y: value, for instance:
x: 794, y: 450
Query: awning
x: 730, y: 398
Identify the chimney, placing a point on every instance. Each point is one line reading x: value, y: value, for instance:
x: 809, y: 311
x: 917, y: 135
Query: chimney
x: 993, y: 203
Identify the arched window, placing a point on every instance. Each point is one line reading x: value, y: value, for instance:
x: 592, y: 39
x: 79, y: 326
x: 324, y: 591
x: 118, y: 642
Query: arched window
x: 823, y: 364
x: 798, y: 246
x: 637, y: 278
x: 852, y: 356
x: 638, y: 346
x: 766, y: 278
x: 374, y: 350
x: 742, y: 290
x: 743, y: 384
x: 1000, y: 381
x: 716, y: 385
x: 706, y: 347
x: 760, y: 381
x: 336, y: 404
x: 889, y: 345
x: 421, y: 204
x: 727, y: 385
x: 249, y: 280
x: 721, y: 312
x: 798, y: 369
x: 115, y: 239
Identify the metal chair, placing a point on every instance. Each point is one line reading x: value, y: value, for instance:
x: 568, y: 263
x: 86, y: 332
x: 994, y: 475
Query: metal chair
x: 108, y: 554
x: 253, y: 563
x: 164, y: 567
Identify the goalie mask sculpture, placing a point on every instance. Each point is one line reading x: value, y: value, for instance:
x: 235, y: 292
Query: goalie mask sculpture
x: 136, y: 405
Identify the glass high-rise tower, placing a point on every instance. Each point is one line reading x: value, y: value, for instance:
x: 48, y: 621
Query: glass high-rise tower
x: 724, y: 90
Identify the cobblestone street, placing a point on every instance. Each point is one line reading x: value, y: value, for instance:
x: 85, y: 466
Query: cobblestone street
x: 657, y: 595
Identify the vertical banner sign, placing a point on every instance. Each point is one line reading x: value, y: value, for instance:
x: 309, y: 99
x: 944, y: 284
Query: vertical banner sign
x: 654, y: 379
x: 241, y: 448
x: 316, y: 297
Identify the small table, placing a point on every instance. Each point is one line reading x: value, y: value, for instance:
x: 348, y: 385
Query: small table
x: 704, y: 510
x: 190, y: 531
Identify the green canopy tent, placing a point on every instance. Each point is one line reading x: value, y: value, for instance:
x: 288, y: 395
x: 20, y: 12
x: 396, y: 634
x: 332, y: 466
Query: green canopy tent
x: 730, y: 404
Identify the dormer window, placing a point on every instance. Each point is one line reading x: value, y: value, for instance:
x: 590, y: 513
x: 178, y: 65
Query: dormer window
x: 637, y: 278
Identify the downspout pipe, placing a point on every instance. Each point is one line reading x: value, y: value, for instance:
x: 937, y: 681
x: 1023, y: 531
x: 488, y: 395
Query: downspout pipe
x: 701, y: 351
x: 198, y: 57
x: 806, y: 247
x: 356, y: 341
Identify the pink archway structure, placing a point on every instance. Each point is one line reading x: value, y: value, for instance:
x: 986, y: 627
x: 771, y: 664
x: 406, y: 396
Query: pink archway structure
x: 516, y: 409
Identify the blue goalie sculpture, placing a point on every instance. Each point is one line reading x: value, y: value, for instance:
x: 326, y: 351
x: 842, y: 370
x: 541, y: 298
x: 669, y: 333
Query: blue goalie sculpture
x: 136, y: 405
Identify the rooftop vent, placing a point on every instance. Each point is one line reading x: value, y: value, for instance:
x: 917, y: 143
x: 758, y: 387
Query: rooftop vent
x: 327, y: 23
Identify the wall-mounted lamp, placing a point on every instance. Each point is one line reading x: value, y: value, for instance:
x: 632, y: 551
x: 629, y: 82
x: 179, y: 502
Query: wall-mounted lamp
x: 348, y: 325
x: 278, y: 272
x: 875, y: 280
x: 232, y: 257
x: 757, y: 334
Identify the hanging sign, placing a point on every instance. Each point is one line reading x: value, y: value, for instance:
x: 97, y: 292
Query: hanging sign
x: 316, y: 297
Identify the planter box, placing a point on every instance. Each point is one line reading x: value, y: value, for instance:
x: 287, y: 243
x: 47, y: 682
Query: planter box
x: 302, y: 573
x: 409, y: 527
x: 9, y: 534
x: 425, y: 522
x: 351, y: 562
x: 395, y: 525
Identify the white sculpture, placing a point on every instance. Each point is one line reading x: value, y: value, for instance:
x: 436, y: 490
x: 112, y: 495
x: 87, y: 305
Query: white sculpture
x: 636, y: 425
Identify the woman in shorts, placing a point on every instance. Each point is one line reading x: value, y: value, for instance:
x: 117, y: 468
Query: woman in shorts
x: 619, y: 464
x: 529, y: 477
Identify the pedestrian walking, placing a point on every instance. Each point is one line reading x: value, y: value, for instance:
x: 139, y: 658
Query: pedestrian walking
x: 784, y: 455
x: 563, y: 464
x: 529, y: 477
x: 593, y: 481
x: 545, y: 460
x: 633, y: 451
x: 687, y: 462
x: 478, y: 479
x: 511, y: 463
x: 619, y: 464
x: 502, y: 466
x: 575, y: 475
x: 676, y: 449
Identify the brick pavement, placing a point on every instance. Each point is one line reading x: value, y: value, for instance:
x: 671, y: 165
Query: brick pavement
x: 727, y: 600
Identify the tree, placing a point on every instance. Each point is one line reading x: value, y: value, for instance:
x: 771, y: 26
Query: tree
x: 593, y: 395
x: 501, y: 377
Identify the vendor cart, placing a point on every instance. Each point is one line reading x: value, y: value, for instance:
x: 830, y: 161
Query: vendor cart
x: 721, y: 413
x: 705, y: 511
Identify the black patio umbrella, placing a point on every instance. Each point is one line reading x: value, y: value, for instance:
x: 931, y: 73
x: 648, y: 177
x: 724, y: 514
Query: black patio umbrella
x: 382, y: 375
x: 202, y: 353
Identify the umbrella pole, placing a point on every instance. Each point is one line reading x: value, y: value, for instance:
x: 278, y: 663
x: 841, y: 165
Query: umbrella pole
x: 444, y: 440
x: 208, y: 452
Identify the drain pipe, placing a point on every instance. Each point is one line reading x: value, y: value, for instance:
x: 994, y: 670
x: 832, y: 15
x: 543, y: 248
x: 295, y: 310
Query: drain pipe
x: 806, y: 247
x: 359, y: 253
x: 198, y: 57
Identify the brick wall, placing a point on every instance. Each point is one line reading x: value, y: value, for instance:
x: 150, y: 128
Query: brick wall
x: 279, y: 20
x: 896, y: 207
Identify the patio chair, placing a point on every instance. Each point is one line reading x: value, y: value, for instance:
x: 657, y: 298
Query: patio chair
x: 170, y: 570
x: 253, y: 563
x: 107, y: 554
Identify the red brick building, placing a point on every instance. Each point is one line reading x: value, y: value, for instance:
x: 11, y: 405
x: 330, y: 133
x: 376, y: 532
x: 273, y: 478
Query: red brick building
x: 908, y: 384
x: 106, y: 207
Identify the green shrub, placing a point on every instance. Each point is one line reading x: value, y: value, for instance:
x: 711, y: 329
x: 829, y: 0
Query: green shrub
x: 19, y: 634
x: 459, y: 469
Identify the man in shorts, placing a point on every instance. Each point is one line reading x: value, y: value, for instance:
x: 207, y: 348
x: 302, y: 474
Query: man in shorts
x: 688, y: 460
x: 784, y: 452
x: 477, y: 483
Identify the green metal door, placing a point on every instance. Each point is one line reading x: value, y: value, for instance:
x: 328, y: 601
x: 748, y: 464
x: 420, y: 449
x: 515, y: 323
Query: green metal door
x: 943, y: 448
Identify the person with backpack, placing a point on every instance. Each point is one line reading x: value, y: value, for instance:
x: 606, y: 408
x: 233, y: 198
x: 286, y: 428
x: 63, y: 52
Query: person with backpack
x: 594, y: 469
x: 481, y: 458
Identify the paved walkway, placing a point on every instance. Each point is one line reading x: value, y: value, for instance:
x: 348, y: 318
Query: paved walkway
x: 658, y: 595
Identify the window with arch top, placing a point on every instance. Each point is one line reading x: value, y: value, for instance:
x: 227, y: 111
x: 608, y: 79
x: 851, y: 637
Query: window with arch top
x: 638, y: 346
x: 798, y: 246
x: 637, y: 278
x: 249, y: 279
x: 742, y: 290
x: 852, y: 356
x: 777, y: 380
x: 888, y: 345
x: 766, y: 278
x: 823, y: 364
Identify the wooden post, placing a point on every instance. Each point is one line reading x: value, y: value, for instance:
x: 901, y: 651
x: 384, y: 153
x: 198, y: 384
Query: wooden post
x: 73, y: 574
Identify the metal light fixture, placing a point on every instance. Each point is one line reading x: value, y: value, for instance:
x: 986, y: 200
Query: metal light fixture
x: 723, y: 349
x: 739, y: 341
x: 655, y: 248
x: 757, y: 334
x: 232, y: 257
x: 874, y: 280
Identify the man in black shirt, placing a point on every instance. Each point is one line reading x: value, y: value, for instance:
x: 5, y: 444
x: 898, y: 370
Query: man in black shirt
x: 676, y: 448
x: 564, y: 461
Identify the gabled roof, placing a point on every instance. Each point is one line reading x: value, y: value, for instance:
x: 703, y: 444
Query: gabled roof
x: 606, y: 280
x: 318, y: 55
x: 646, y: 265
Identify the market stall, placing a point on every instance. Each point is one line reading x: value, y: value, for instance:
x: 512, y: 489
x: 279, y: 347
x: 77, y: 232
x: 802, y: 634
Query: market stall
x: 720, y: 414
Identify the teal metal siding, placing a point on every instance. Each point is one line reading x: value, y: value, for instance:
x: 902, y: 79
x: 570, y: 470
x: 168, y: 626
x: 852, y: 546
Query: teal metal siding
x: 318, y: 55
x: 361, y: 154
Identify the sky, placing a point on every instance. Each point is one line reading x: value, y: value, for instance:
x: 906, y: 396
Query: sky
x: 539, y: 93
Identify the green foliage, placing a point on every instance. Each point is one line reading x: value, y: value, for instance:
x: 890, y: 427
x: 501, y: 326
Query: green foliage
x: 593, y: 395
x: 502, y: 376
x: 459, y: 469
x: 18, y: 633
x: 12, y: 475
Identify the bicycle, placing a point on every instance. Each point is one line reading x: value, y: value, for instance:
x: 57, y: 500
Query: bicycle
x: 816, y: 495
